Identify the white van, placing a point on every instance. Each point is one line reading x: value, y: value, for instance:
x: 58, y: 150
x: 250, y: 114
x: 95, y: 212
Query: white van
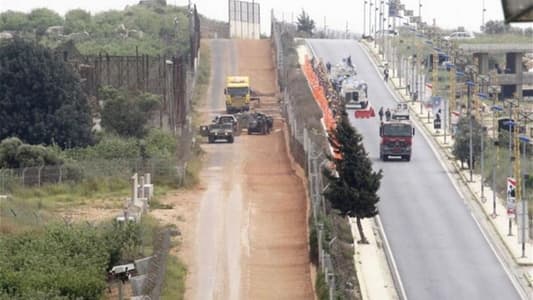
x: 460, y: 35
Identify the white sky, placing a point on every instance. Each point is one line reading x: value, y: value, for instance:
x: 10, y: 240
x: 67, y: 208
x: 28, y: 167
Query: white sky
x: 448, y: 14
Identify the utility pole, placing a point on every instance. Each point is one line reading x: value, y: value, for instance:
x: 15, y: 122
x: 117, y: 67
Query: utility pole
x: 483, y: 17
x: 469, y: 84
x: 364, y: 17
x: 510, y: 233
x: 375, y: 21
x: 370, y: 4
x: 494, y: 84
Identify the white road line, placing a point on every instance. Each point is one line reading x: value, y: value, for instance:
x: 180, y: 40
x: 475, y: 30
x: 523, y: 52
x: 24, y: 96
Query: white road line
x: 431, y: 142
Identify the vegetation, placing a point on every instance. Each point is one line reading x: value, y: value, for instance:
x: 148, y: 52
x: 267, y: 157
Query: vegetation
x: 305, y: 24
x: 41, y: 100
x: 461, y: 147
x: 353, y: 190
x: 64, y: 261
x: 125, y: 114
x: 154, y: 30
x: 174, y: 284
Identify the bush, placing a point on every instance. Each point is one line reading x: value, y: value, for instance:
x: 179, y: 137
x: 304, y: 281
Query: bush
x: 125, y: 114
x: 64, y: 262
x: 15, y: 154
x: 160, y: 144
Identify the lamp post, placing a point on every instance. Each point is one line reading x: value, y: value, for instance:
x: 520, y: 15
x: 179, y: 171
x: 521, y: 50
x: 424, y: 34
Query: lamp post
x: 364, y: 18
x: 370, y: 4
x: 483, y: 16
x: 525, y: 140
x: 495, y: 109
x: 469, y: 84
x: 375, y: 21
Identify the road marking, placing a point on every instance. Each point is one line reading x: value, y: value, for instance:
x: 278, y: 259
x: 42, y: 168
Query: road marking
x: 431, y: 142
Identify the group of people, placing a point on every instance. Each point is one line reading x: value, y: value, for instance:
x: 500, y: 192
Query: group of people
x: 333, y: 100
x: 387, y: 113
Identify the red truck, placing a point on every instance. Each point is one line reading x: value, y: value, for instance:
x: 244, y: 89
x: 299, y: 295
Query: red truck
x: 396, y: 139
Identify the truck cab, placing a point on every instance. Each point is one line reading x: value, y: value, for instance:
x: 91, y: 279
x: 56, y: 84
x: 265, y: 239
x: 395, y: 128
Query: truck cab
x: 237, y: 93
x: 396, y: 139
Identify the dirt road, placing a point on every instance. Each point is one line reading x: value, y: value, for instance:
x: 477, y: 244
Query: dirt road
x: 251, y: 234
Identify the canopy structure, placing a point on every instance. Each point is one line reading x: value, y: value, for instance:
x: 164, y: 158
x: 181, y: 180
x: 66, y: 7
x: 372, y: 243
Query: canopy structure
x: 517, y: 11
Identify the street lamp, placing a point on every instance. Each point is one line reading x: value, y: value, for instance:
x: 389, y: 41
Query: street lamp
x: 495, y: 109
x: 364, y: 18
x: 470, y: 84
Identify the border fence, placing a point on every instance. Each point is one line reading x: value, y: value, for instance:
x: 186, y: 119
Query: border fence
x: 174, y: 79
x: 331, y: 241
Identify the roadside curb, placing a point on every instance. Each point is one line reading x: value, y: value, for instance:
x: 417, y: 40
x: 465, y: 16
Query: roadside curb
x: 445, y: 152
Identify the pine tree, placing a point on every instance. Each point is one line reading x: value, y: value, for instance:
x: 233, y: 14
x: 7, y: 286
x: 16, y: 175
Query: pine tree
x: 305, y: 23
x: 353, y: 189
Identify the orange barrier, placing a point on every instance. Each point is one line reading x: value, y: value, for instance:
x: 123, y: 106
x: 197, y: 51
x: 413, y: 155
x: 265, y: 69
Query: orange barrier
x: 320, y: 97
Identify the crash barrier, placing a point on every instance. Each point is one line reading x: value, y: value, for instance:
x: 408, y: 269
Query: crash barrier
x: 319, y: 94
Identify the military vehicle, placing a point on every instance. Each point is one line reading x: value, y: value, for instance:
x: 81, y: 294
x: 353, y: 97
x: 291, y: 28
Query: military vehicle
x: 259, y: 123
x: 218, y: 131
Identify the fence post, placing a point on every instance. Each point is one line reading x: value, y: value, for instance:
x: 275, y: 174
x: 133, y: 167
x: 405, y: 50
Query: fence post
x: 60, y: 174
x: 23, y: 175
x: 39, y: 175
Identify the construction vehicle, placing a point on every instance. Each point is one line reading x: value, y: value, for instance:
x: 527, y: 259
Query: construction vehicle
x: 238, y: 94
x: 396, y: 136
x: 260, y: 123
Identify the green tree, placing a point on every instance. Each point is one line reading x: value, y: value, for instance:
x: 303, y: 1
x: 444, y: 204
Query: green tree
x: 77, y: 20
x: 461, y: 147
x: 353, y: 188
x: 42, y: 18
x: 41, y: 101
x: 305, y: 24
x: 13, y: 20
x: 127, y: 115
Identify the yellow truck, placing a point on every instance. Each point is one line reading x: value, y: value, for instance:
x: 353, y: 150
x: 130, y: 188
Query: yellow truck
x: 238, y: 94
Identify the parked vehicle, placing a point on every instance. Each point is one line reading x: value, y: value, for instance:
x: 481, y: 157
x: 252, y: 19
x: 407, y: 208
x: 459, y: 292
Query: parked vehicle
x: 229, y: 119
x: 260, y: 123
x: 219, y: 131
x: 396, y: 136
x: 460, y: 35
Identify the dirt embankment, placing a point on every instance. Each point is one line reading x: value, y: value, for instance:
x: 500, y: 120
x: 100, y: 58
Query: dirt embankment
x: 277, y: 262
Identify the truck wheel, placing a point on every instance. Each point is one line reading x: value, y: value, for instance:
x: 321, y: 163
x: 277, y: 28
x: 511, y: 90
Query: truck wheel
x: 230, y: 140
x: 210, y: 140
x: 384, y: 157
x: 408, y: 157
x: 249, y: 131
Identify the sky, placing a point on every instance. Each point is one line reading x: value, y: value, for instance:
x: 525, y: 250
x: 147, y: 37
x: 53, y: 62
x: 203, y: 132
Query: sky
x: 335, y: 14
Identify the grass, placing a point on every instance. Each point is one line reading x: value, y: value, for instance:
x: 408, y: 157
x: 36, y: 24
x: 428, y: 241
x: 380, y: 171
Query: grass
x: 174, y: 284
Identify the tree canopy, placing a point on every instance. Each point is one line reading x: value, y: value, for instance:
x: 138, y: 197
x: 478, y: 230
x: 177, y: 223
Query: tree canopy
x: 126, y: 114
x: 305, y: 24
x: 41, y: 101
x: 461, y: 147
x: 353, y: 189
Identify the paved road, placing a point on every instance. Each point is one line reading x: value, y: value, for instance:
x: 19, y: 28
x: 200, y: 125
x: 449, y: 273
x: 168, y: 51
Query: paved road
x: 438, y: 247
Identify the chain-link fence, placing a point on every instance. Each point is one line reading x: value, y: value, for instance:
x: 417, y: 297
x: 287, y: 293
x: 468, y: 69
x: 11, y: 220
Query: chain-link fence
x: 331, y: 241
x: 162, y: 170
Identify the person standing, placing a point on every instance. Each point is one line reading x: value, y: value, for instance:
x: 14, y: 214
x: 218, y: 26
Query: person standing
x: 388, y: 114
x: 380, y: 113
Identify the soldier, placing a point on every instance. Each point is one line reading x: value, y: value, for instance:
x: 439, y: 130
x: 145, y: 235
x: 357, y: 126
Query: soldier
x: 387, y: 115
